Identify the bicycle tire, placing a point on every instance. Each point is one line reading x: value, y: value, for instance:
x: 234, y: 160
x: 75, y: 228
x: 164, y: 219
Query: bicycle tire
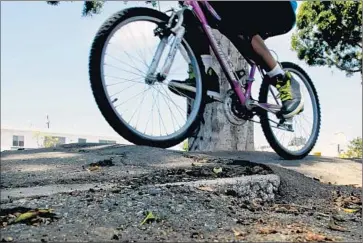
x: 99, y: 92
x: 266, y: 128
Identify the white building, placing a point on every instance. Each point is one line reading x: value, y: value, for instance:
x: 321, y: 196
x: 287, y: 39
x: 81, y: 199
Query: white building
x: 15, y: 138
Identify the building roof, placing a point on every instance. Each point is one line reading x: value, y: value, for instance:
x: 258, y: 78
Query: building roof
x: 54, y: 131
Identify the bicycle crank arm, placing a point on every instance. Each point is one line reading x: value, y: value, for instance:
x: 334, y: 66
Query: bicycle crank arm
x: 268, y: 107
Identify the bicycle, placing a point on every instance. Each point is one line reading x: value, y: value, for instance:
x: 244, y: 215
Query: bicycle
x: 170, y: 32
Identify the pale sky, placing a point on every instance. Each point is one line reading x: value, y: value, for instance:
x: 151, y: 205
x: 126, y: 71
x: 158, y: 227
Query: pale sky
x: 44, y: 70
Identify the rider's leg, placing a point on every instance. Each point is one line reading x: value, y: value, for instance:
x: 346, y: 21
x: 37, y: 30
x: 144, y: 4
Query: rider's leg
x: 251, y: 33
x: 287, y: 86
x: 269, y: 63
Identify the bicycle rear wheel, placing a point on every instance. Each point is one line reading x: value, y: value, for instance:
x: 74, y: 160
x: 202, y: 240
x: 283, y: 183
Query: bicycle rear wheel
x: 298, y: 144
x: 144, y: 113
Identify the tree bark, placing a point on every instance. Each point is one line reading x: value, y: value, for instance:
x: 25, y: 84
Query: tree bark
x: 216, y: 132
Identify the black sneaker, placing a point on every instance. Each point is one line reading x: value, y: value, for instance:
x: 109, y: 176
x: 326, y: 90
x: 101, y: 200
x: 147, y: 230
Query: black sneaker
x: 187, y: 88
x: 290, y: 95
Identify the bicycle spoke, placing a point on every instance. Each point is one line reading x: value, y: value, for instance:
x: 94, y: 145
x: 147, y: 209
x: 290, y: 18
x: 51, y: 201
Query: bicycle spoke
x: 147, y: 123
x: 139, y: 53
x: 305, y: 133
x: 144, y: 39
x: 172, y: 115
x: 131, y: 57
x: 124, y: 70
x: 129, y: 99
x: 172, y: 101
x: 138, y: 105
x: 161, y: 119
x: 126, y: 64
x: 123, y: 90
x: 125, y: 80
x: 177, y: 105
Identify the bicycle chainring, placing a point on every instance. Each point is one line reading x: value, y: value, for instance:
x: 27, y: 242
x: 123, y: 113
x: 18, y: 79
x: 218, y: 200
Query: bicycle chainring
x: 235, y: 113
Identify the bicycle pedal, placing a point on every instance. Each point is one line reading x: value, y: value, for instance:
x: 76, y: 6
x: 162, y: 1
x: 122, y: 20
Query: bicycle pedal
x: 287, y: 124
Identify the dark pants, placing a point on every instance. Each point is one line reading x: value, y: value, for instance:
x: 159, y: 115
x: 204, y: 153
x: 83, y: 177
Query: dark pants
x: 249, y: 18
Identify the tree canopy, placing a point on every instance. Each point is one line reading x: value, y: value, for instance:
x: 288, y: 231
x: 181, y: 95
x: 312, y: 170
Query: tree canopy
x: 329, y: 33
x: 354, y: 150
x: 94, y: 6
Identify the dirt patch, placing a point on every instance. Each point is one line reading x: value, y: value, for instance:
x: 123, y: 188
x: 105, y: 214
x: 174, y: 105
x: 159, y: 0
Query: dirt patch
x: 103, y: 163
x: 99, y: 164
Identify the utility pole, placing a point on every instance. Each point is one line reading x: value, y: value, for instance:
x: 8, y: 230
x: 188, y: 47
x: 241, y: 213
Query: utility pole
x: 48, y: 122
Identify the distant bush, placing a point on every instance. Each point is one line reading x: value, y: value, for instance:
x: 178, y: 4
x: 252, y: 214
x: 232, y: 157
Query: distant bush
x: 354, y: 150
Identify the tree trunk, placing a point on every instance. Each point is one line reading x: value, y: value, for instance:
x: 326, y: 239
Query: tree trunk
x: 216, y: 132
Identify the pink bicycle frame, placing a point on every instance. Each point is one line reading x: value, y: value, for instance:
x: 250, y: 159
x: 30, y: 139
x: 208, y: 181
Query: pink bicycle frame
x: 232, y: 79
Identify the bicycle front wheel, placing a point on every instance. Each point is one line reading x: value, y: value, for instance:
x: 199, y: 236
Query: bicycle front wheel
x: 297, y: 144
x: 143, y: 112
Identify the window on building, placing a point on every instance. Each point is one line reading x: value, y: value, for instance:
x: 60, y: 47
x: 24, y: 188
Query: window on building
x: 18, y: 141
x: 107, y: 141
x: 82, y: 140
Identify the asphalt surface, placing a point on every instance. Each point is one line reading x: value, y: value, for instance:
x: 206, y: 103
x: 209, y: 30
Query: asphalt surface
x: 303, y: 208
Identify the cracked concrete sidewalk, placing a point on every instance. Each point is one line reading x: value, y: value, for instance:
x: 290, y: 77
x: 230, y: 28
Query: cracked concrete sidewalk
x: 66, y: 168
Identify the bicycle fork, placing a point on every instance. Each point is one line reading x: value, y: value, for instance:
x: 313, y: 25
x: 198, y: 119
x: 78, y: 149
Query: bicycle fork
x: 178, y: 30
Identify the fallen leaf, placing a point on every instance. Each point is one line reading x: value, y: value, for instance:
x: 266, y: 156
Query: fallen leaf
x: 217, y: 170
x: 32, y: 216
x: 197, y: 164
x: 45, y: 211
x: 149, y: 217
x: 349, y: 210
x: 206, y: 188
x: 26, y: 216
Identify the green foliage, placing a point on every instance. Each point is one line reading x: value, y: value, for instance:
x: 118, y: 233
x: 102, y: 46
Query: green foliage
x: 50, y: 142
x: 329, y: 33
x: 185, y: 146
x: 44, y: 140
x: 355, y: 148
x: 94, y: 6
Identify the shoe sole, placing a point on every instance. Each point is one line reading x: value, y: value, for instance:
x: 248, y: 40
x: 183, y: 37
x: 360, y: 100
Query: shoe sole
x: 212, y: 94
x: 298, y: 110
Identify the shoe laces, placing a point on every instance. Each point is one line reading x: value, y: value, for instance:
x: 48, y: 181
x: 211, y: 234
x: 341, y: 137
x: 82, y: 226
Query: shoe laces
x: 283, y: 85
